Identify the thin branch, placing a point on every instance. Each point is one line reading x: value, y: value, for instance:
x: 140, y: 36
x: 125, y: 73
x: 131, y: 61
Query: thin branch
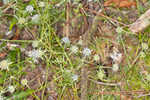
x: 142, y: 95
x: 107, y: 84
x: 101, y: 14
x: 67, y: 31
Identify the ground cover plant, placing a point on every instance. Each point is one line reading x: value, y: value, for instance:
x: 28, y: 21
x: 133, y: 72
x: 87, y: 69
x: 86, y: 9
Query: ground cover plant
x: 74, y: 50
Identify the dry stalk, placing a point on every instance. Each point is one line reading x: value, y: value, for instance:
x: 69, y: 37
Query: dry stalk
x: 86, y: 38
x: 67, y: 31
x: 107, y: 84
x: 111, y: 19
x: 84, y: 82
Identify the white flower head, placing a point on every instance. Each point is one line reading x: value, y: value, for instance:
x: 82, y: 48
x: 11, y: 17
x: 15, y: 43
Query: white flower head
x: 144, y: 46
x: 35, y: 54
x: 24, y: 82
x: 74, y: 49
x: 4, y: 64
x: 142, y: 54
x: 116, y: 55
x: 11, y: 89
x: 29, y: 8
x: 86, y: 52
x: 65, y: 40
x: 36, y: 18
x: 41, y: 4
x: 115, y: 67
x: 22, y: 49
x: 96, y: 57
x: 8, y: 33
x: 75, y: 77
x: 1, y: 97
x: 12, y: 46
x: 21, y: 20
x: 6, y: 1
x: 90, y: 0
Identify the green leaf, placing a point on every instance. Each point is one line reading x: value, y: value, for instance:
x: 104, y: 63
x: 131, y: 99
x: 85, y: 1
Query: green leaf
x: 21, y: 95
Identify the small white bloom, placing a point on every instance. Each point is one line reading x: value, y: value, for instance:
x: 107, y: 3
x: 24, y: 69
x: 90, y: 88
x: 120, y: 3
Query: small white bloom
x: 4, y: 64
x: 8, y: 33
x: 24, y: 82
x: 21, y: 20
x: 22, y: 49
x: 74, y: 49
x: 12, y: 77
x: 36, y: 19
x: 90, y: 0
x: 41, y: 4
x: 6, y: 1
x: 65, y: 40
x: 1, y: 97
x: 96, y: 57
x: 12, y: 46
x: 35, y: 54
x: 35, y: 44
x: 144, y: 46
x: 11, y: 89
x: 86, y: 52
x: 29, y: 8
x: 116, y: 55
x: 115, y: 67
x: 142, y: 54
x: 75, y: 77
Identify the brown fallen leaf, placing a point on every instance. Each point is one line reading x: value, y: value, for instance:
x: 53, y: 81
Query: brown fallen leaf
x: 3, y: 54
x: 16, y: 35
x: 120, y: 3
x: 109, y: 2
x: 141, y: 23
x: 126, y: 4
x: 1, y: 3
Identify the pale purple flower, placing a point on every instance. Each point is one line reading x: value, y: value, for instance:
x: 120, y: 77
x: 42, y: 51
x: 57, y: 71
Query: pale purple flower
x: 35, y: 54
x: 29, y: 8
x: 86, y: 52
x: 65, y: 40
